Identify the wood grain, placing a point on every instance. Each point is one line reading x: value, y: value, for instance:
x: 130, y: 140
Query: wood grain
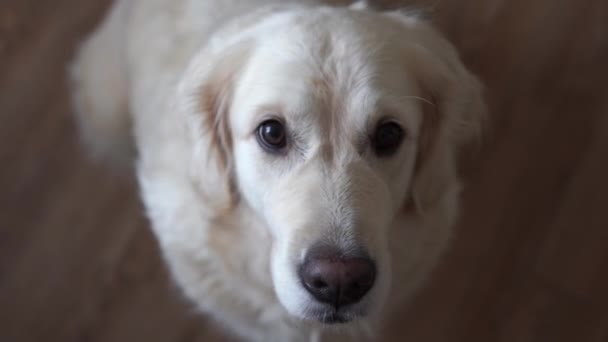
x: 530, y: 261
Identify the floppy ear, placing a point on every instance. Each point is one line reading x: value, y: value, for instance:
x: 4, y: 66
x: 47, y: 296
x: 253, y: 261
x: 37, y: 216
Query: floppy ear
x: 205, y: 98
x: 452, y: 119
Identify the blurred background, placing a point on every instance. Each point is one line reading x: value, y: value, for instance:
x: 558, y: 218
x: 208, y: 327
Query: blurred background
x: 530, y: 260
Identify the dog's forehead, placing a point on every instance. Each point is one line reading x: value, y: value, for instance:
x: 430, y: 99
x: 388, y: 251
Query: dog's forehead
x: 332, y: 79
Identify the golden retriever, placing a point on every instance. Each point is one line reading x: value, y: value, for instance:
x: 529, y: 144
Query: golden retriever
x: 297, y: 159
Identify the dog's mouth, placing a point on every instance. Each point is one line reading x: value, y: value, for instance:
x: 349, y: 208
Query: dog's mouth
x: 333, y: 316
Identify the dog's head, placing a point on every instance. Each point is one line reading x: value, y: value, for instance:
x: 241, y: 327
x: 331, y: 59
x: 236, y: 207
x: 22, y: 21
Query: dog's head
x: 338, y: 128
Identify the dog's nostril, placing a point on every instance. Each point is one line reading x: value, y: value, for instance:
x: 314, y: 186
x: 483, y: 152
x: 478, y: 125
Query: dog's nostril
x: 319, y: 284
x: 335, y: 279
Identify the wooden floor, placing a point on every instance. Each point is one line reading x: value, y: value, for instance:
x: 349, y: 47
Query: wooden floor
x: 530, y: 263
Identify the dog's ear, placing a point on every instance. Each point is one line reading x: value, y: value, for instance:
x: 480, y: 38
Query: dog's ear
x: 205, y: 98
x: 453, y: 116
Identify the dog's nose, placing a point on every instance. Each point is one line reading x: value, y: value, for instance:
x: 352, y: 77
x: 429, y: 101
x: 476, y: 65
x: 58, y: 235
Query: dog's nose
x: 336, y: 279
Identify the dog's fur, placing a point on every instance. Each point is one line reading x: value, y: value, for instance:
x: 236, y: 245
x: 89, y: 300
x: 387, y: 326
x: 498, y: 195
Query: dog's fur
x: 190, y: 80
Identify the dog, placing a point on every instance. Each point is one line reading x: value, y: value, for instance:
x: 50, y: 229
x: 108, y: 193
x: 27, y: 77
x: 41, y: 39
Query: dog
x: 297, y: 159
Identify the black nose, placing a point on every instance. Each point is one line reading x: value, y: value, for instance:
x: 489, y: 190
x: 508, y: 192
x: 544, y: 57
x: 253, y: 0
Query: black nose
x: 336, y: 279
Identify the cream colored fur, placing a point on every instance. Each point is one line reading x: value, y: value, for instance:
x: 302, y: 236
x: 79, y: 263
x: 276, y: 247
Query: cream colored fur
x: 190, y: 80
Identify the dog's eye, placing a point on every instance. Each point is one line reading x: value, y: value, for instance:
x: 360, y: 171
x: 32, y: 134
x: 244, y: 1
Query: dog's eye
x: 271, y: 135
x: 387, y: 138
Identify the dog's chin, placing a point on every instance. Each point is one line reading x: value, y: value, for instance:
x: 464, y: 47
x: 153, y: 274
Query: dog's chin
x: 331, y: 316
x: 322, y: 315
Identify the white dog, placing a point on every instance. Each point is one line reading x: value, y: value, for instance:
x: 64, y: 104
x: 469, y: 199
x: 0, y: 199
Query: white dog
x: 296, y: 160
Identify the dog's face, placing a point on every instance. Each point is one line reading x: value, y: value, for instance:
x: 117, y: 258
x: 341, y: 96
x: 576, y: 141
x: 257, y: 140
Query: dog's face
x: 338, y: 129
x: 325, y: 141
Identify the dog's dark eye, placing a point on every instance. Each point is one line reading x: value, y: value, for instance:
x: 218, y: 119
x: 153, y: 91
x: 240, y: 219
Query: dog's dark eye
x: 387, y: 139
x: 271, y: 135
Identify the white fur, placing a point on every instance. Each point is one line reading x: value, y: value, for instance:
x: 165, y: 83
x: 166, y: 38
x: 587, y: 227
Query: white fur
x: 233, y: 221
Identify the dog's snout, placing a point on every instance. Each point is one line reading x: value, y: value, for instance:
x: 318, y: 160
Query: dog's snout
x: 336, y: 279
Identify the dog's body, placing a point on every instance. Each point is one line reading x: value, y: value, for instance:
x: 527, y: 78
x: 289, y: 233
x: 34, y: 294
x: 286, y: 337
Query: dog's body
x: 237, y: 223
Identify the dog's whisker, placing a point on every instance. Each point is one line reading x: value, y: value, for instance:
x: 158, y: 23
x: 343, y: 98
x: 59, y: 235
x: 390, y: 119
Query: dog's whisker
x: 419, y: 99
